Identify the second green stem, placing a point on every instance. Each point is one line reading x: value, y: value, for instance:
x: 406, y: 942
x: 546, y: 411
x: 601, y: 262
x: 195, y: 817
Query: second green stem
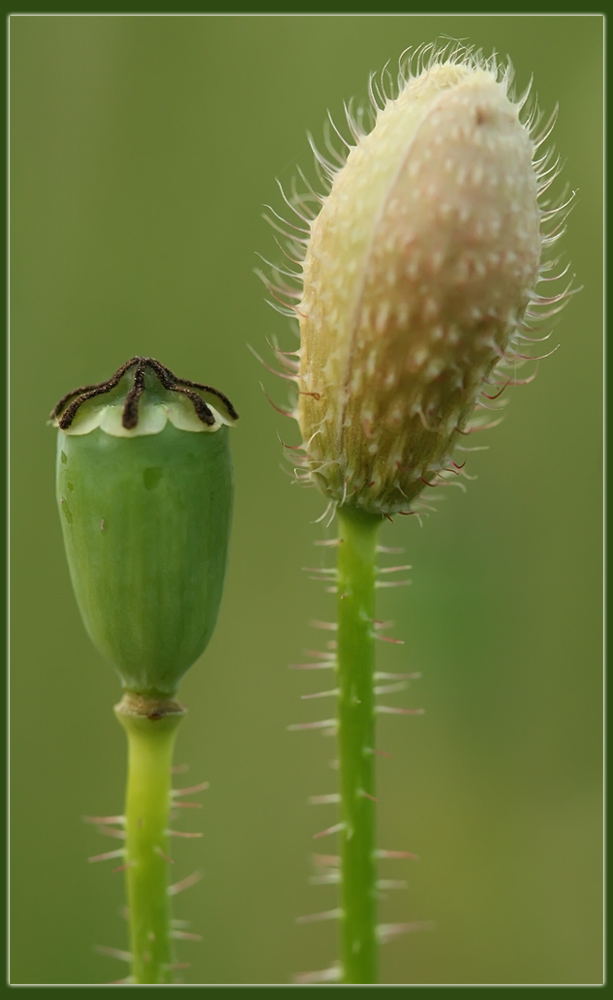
x: 151, y: 729
x: 357, y: 548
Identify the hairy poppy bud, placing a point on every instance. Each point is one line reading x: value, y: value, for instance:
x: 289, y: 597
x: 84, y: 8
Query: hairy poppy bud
x: 144, y: 488
x: 416, y: 277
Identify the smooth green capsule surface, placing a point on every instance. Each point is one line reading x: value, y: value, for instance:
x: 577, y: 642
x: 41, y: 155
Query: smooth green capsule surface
x: 146, y: 522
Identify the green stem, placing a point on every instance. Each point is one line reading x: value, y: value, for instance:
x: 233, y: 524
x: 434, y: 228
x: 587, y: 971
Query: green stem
x: 151, y: 729
x: 356, y: 741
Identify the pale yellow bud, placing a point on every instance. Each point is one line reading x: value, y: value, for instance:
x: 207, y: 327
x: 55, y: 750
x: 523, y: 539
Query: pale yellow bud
x: 417, y: 274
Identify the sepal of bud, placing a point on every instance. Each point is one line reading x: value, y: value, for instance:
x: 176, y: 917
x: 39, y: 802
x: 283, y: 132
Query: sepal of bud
x: 418, y: 272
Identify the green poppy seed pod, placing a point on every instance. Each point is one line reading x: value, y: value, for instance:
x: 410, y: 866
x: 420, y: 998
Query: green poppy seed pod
x: 416, y: 278
x: 144, y: 488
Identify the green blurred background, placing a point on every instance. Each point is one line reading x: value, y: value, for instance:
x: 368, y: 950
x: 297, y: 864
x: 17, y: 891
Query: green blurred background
x: 142, y: 152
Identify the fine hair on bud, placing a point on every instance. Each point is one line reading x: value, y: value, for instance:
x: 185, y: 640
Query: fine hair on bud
x: 414, y: 276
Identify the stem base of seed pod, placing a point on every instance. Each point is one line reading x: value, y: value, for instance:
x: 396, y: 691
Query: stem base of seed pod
x: 153, y: 709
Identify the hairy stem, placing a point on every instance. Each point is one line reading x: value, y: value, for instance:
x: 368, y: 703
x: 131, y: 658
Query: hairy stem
x: 356, y: 740
x: 151, y: 727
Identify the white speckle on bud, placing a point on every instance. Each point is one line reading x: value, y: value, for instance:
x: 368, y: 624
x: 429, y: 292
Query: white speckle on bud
x: 417, y: 275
